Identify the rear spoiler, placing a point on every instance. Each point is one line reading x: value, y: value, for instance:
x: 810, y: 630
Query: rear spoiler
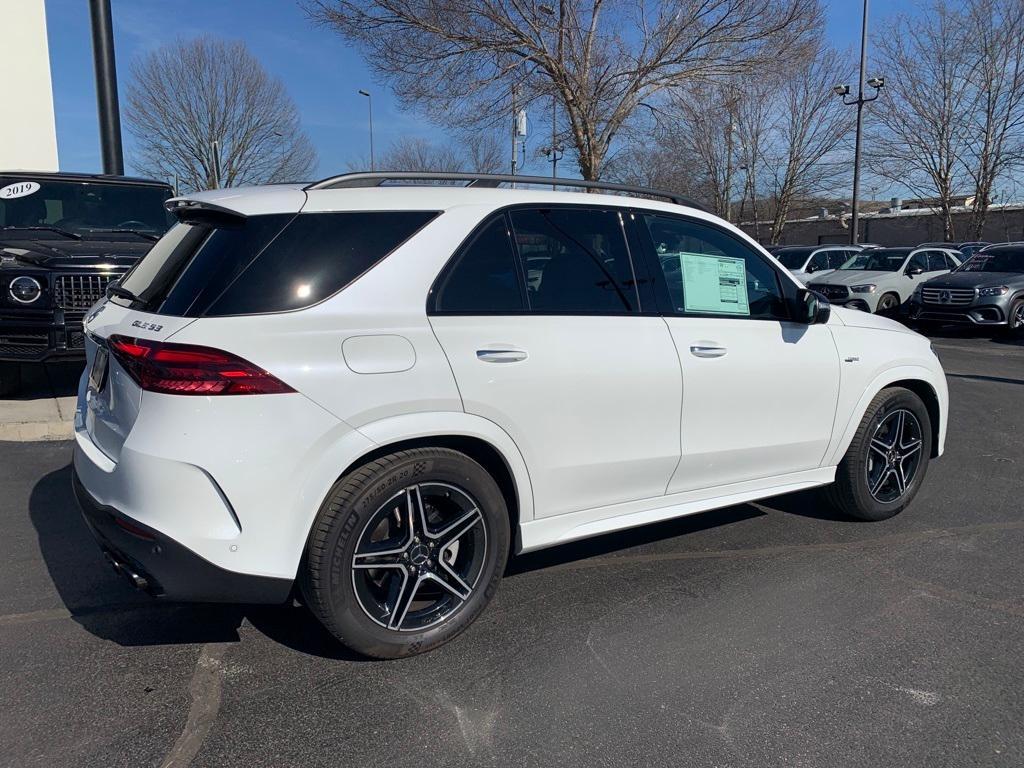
x: 191, y: 211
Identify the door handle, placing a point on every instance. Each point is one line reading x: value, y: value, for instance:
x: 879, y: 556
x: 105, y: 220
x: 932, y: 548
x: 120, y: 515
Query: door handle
x: 497, y: 355
x: 707, y: 350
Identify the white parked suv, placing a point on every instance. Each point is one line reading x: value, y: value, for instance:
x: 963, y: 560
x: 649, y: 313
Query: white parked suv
x: 369, y: 392
x: 814, y: 261
x: 883, y: 279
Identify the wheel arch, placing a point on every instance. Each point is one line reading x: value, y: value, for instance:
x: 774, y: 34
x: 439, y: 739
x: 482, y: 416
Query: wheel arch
x: 478, y: 449
x: 930, y: 399
x: 923, y: 382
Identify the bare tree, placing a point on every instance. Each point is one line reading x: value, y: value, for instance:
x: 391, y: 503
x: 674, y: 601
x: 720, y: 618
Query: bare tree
x: 479, y: 153
x: 464, y: 62
x: 919, y: 137
x: 196, y: 105
x: 994, y: 34
x: 809, y: 127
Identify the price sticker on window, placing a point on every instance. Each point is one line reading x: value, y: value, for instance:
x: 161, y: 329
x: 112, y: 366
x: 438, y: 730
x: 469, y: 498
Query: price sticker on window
x: 715, y: 284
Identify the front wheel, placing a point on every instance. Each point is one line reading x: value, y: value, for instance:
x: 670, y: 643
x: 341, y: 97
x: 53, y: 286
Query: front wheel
x: 888, y: 305
x: 406, y: 552
x: 1015, y: 320
x: 885, y: 465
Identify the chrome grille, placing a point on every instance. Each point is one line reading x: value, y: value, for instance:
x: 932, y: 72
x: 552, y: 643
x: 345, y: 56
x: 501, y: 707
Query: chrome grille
x: 79, y: 292
x: 947, y: 297
x: 832, y: 291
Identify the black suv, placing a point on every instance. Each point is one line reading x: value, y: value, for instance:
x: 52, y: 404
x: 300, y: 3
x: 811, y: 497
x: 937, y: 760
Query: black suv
x: 63, y: 238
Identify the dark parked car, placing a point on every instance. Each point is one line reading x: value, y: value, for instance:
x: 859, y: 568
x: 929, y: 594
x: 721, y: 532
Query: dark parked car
x: 63, y: 238
x: 987, y: 290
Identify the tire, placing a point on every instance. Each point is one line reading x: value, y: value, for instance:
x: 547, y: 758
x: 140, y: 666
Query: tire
x: 365, y: 522
x: 888, y: 305
x: 10, y: 378
x: 851, y: 493
x: 1015, y: 320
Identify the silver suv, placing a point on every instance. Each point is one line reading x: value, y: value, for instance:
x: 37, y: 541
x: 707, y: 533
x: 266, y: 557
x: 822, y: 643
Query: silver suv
x: 988, y: 290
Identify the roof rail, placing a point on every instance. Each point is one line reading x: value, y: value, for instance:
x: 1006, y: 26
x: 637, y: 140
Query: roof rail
x: 376, y: 179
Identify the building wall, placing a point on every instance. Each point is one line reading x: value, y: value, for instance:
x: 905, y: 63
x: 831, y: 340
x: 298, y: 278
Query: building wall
x: 906, y: 228
x: 28, y: 132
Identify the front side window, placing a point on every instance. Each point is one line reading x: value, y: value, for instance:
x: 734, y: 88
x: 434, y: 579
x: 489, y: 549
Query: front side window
x: 483, y: 278
x: 936, y: 261
x: 819, y: 262
x: 710, y: 272
x: 919, y: 260
x: 575, y: 261
x: 836, y: 259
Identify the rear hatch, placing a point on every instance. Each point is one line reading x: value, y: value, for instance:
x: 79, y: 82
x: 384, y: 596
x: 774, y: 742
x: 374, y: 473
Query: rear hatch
x: 218, y: 263
x: 110, y: 399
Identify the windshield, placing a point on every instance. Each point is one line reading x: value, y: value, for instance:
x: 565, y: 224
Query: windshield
x: 793, y: 258
x: 878, y: 260
x: 995, y: 261
x: 79, y: 207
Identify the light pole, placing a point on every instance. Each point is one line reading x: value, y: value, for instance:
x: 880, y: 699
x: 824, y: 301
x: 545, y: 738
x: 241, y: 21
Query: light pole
x: 843, y: 91
x: 369, y: 107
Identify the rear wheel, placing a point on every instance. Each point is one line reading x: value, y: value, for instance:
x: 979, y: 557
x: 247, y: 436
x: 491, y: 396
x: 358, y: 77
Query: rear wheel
x: 885, y: 465
x: 406, y: 552
x: 10, y: 378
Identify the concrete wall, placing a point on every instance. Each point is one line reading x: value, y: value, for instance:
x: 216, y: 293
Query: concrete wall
x: 28, y: 133
x: 906, y: 228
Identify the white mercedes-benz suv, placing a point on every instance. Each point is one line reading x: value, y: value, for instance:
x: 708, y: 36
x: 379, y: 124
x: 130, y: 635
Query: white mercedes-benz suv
x: 367, y: 393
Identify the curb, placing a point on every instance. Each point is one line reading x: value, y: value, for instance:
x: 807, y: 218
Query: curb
x: 34, y: 431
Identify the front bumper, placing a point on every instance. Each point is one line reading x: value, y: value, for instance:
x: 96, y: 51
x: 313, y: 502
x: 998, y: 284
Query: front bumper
x: 980, y: 315
x: 166, y: 568
x: 56, y: 336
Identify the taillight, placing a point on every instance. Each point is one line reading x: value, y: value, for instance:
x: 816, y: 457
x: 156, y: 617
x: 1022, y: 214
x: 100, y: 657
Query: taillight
x: 184, y: 369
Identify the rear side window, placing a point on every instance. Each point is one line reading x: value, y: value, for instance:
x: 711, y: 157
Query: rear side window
x: 575, y: 261
x: 267, y: 263
x: 484, y: 277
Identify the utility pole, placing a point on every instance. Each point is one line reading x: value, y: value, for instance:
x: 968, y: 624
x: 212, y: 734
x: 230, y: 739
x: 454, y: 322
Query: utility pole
x: 369, y: 106
x: 844, y: 90
x: 106, y: 86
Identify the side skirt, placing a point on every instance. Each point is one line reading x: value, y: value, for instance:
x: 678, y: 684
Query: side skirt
x: 559, y: 529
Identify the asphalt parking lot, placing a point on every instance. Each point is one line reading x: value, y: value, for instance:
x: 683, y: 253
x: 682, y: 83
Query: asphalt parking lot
x: 763, y: 634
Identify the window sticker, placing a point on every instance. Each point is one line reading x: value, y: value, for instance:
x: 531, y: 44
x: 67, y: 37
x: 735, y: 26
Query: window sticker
x: 21, y: 189
x: 714, y: 284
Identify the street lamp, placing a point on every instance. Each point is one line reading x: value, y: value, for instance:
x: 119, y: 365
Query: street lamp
x: 843, y: 92
x: 369, y: 106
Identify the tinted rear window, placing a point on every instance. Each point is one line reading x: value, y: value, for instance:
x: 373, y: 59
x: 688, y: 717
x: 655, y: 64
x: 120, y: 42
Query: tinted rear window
x: 267, y: 263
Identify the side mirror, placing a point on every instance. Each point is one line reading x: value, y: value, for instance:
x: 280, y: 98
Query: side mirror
x: 810, y: 268
x: 914, y: 271
x: 813, y: 308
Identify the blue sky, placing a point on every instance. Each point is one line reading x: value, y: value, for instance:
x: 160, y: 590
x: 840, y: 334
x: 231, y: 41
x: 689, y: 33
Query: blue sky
x: 321, y: 73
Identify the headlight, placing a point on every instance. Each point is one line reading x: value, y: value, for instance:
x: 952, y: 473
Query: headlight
x: 917, y: 292
x: 869, y: 288
x: 25, y: 289
x: 998, y: 290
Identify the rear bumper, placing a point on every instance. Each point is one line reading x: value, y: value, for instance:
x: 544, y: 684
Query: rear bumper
x: 166, y: 568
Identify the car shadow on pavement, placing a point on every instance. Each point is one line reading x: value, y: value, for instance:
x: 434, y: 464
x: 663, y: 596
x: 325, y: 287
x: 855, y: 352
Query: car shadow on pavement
x: 107, y: 606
